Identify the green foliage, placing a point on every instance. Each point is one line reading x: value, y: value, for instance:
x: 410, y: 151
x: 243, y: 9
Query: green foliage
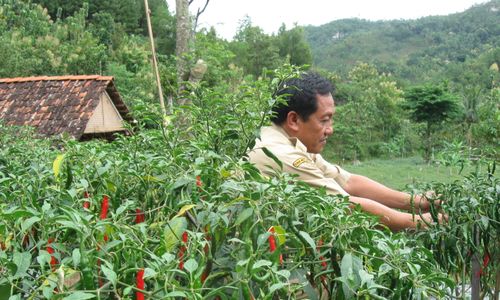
x: 414, y: 51
x: 218, y: 56
x: 203, y: 187
x: 292, y: 44
x: 254, y: 50
x: 471, y: 231
x: 486, y: 131
x: 127, y: 13
x: 163, y: 25
x: 133, y: 75
x: 368, y: 113
x: 431, y: 105
x: 34, y: 45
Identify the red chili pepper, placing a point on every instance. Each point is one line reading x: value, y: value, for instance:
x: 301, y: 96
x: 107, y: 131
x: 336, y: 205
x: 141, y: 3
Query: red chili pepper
x: 86, y: 204
x: 53, y: 260
x: 486, y: 262
x: 104, y: 207
x: 486, y: 259
x: 272, y: 240
x: 139, y: 216
x: 203, y: 277
x: 182, y: 250
x: 139, y: 280
x: 272, y: 243
x: 198, y: 181
x: 104, y: 212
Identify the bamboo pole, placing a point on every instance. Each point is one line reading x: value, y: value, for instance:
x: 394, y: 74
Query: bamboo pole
x: 155, y: 63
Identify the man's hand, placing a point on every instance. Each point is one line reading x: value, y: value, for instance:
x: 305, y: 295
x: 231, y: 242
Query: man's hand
x: 423, y: 201
x: 424, y: 220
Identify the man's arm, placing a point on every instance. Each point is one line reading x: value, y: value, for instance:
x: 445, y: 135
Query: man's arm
x: 364, y: 187
x: 392, y: 218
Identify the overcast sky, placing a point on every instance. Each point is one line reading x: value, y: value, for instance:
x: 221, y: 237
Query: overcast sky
x: 225, y: 15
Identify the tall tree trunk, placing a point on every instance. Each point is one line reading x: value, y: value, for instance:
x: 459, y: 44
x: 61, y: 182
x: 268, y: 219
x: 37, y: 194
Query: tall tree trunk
x: 182, y: 46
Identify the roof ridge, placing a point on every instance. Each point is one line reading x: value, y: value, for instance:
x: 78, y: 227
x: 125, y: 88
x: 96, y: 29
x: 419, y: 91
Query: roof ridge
x: 56, y: 78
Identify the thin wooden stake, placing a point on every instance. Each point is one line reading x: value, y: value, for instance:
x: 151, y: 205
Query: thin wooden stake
x: 155, y: 64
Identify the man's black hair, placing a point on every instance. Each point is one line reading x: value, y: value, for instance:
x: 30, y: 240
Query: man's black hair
x: 300, y: 96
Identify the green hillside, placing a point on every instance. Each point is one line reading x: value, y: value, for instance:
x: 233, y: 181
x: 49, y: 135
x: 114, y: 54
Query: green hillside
x: 413, y: 50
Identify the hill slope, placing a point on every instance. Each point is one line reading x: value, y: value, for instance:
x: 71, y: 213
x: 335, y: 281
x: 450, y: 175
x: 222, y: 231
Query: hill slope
x: 412, y: 50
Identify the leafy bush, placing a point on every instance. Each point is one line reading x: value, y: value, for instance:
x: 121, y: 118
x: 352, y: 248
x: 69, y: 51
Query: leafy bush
x: 167, y: 213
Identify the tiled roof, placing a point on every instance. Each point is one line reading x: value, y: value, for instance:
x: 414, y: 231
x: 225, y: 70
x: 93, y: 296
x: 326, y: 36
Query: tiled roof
x: 56, y: 104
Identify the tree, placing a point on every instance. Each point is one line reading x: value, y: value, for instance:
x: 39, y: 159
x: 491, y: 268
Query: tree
x: 32, y: 44
x: 369, y: 114
x: 254, y: 50
x: 431, y: 105
x: 163, y: 27
x: 292, y: 44
x: 183, y: 37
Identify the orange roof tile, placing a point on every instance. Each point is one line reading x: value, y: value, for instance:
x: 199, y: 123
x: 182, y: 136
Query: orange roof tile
x: 56, y: 104
x: 57, y: 78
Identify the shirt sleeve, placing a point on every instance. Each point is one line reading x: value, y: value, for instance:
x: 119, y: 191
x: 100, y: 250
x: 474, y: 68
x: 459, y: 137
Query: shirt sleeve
x: 340, y: 175
x: 314, y: 174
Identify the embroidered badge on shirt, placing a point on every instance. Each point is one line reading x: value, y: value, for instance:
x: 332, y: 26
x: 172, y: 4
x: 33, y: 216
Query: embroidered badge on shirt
x: 299, y: 161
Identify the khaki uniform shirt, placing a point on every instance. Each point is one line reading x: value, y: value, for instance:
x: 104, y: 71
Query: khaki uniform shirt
x: 311, y: 168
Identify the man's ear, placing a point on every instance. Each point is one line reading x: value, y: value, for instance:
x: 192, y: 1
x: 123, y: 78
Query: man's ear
x: 292, y: 121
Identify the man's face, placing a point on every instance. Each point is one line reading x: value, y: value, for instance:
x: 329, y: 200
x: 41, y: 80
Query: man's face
x: 314, y: 132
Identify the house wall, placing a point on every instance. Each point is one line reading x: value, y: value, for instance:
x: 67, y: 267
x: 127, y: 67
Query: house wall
x: 105, y: 117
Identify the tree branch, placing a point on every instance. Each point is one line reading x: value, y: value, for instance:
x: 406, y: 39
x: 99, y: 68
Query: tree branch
x: 198, y: 14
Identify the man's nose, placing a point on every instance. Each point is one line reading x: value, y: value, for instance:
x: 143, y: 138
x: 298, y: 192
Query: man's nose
x: 329, y: 130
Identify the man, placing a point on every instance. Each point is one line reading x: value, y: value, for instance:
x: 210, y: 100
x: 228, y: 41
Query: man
x: 299, y: 133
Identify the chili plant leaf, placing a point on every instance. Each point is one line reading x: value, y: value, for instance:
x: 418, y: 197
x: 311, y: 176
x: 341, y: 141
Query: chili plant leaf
x: 191, y: 265
x: 22, y: 262
x: 284, y: 273
x: 110, y: 274
x: 273, y: 157
x: 79, y: 295
x: 56, y: 165
x: 349, y: 269
x: 29, y: 222
x: 175, y: 294
x: 184, y: 209
x: 15, y: 213
x: 281, y: 233
x: 76, y: 257
x: 149, y: 273
x: 262, y: 263
x: 43, y: 258
x: 309, y: 240
x: 245, y: 214
x: 173, y: 232
x: 5, y: 290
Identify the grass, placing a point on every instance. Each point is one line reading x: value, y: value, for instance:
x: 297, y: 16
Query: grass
x: 397, y: 173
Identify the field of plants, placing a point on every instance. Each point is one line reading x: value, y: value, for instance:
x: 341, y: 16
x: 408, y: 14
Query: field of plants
x: 179, y: 213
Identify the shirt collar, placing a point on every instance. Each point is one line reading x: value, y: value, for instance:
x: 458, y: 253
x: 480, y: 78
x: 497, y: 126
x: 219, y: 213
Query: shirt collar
x: 277, y: 132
